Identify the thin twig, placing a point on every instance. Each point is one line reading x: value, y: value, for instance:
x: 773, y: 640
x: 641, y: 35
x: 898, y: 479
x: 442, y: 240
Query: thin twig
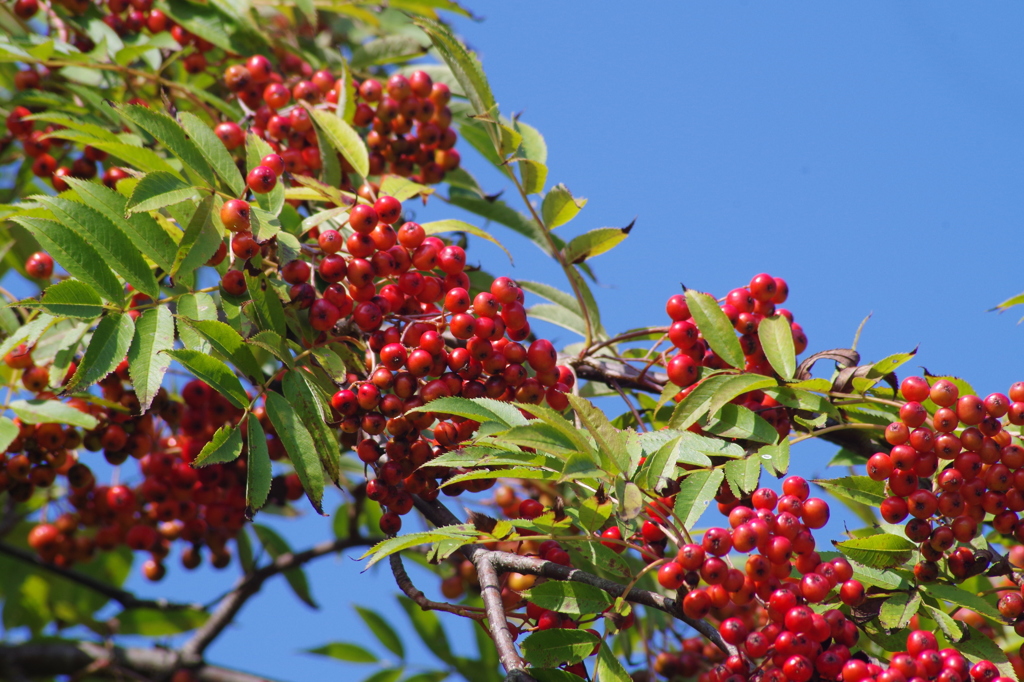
x: 122, y: 597
x: 230, y: 605
x: 410, y: 590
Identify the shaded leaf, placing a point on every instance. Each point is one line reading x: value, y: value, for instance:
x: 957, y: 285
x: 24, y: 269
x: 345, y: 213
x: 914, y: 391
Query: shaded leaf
x: 108, y: 347
x: 214, y: 372
x: 343, y: 138
x: 715, y: 326
x: 277, y: 546
x: 214, y: 151
x: 344, y: 651
x: 440, y: 226
x: 147, y: 363
x: 258, y: 469
x: 299, y: 446
x: 72, y: 298
x: 225, y: 446
x: 877, y: 551
x: 382, y: 630
x: 171, y: 136
x: 157, y: 190
x: 159, y: 622
x: 695, y: 492
x: 38, y: 411
x: 568, y: 597
x: 552, y: 647
x: 776, y: 337
x: 594, y: 243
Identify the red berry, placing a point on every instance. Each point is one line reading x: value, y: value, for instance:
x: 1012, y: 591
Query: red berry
x: 274, y: 162
x: 236, y: 214
x: 671, y: 576
x: 39, y: 265
x: 261, y: 179
x: 231, y: 134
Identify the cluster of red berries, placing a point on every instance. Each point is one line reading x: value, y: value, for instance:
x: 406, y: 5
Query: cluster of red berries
x: 390, y: 112
x: 922, y: 661
x: 984, y: 477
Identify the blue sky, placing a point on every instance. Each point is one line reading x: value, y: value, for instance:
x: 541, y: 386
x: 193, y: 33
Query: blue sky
x: 871, y: 154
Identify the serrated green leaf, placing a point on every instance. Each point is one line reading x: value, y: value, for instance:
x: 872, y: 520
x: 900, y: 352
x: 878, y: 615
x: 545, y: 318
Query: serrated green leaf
x: 533, y: 175
x: 214, y: 151
x: 219, y: 23
x: 199, y: 242
x: 214, y: 372
x: 344, y: 651
x: 386, y: 50
x: 402, y: 188
x: 113, y: 244
x: 266, y: 305
x: 696, y: 405
x: 857, y: 488
x: 441, y: 226
x: 560, y: 206
x: 171, y: 136
x: 898, y: 609
x: 610, y: 442
x: 743, y: 475
x: 277, y: 546
x: 500, y: 212
x: 533, y: 146
x: 715, y: 326
x: 978, y: 647
x: 736, y: 421
x: 108, y: 347
x: 775, y: 458
x: 144, y: 232
x: 482, y: 410
x: 8, y: 432
x: 194, y: 307
x: 299, y: 446
x: 225, y: 446
x: 594, y: 243
x: 568, y: 597
x: 954, y: 630
x: 463, y: 64
x: 962, y: 597
x: 157, y: 190
x: 75, y: 255
x: 72, y: 298
x: 228, y: 343
x: 776, y: 337
x: 878, y: 551
x: 258, y: 468
x: 553, y: 647
x: 51, y: 411
x: 147, y: 363
x: 608, y: 668
x: 557, y: 315
x: 313, y: 414
x: 695, y: 492
x: 382, y: 630
x: 428, y: 626
x: 343, y: 138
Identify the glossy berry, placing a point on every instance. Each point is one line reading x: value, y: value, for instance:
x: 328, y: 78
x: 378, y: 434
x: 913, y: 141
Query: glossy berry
x: 39, y: 265
x: 235, y: 214
x: 261, y: 180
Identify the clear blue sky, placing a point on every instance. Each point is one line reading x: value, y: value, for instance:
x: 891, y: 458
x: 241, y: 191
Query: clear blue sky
x: 871, y: 154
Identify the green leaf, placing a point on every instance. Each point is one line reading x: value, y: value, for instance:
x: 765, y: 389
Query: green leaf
x: 72, y: 298
x: 557, y: 315
x: 610, y: 443
x: 8, y: 432
x: 258, y: 469
x: 225, y: 446
x: 402, y: 188
x: 277, y: 546
x: 428, y: 626
x: 255, y: 149
x: 695, y: 492
x: 28, y: 333
x: 75, y: 255
x: 736, y: 421
x: 39, y: 411
x: 214, y: 151
x: 857, y: 488
x: 266, y: 305
x: 977, y: 647
x: 464, y: 65
x: 439, y: 226
x: 898, y: 609
x: 382, y: 630
x: 344, y: 651
x: 159, y: 622
x: 594, y: 514
x: 144, y: 232
x: 147, y: 363
x: 533, y: 174
x: 716, y: 328
x: 343, y: 138
x: 106, y: 350
x: 560, y: 206
x: 775, y: 458
x: 736, y: 385
x: 594, y: 243
x: 171, y: 136
x: 962, y: 597
x: 954, y: 630
x: 214, y: 372
x: 386, y: 675
x: 199, y: 306
x: 199, y: 242
x: 552, y: 647
x: 889, y: 364
x: 743, y: 475
x: 533, y: 146
x: 696, y: 405
x: 219, y: 23
x: 500, y: 212
x: 878, y: 551
x: 114, y: 245
x: 776, y: 337
x: 228, y: 343
x: 299, y: 446
x: 313, y: 414
x: 482, y: 410
x: 386, y: 50
x: 608, y: 668
x: 569, y: 597
x: 157, y: 190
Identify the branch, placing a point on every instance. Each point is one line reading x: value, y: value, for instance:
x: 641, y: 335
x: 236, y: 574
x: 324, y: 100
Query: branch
x: 439, y: 515
x: 122, y: 597
x: 46, y: 659
x: 230, y: 605
x: 410, y: 590
x: 490, y: 590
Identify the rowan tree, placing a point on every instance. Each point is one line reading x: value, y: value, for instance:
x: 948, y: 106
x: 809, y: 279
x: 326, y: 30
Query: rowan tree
x: 232, y: 312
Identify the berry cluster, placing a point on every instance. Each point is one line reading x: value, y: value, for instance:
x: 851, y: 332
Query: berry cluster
x: 390, y: 112
x: 981, y: 477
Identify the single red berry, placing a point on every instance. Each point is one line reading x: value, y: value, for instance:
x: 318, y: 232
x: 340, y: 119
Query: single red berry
x: 39, y: 265
x: 231, y: 134
x: 261, y: 179
x: 671, y: 576
x: 274, y: 162
x: 244, y: 246
x: 236, y: 214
